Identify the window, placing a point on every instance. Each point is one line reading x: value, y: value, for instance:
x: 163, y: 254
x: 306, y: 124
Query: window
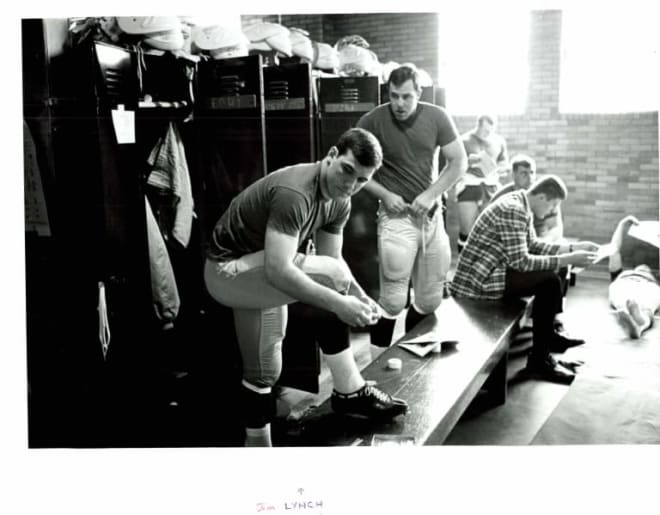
x: 609, y: 61
x: 483, y: 59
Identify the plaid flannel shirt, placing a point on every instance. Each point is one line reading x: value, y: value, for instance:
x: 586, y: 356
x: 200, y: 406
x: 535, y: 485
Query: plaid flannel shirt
x: 502, y: 237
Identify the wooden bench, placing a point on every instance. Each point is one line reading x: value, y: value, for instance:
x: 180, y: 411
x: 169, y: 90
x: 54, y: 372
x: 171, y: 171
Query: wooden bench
x: 438, y: 387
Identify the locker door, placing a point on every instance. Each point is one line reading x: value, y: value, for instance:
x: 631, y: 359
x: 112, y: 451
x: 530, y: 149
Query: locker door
x: 230, y: 128
x: 289, y: 115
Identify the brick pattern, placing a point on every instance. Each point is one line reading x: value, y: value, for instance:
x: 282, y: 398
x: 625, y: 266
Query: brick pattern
x: 609, y: 161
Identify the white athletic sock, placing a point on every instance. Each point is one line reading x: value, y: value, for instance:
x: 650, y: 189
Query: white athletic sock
x: 258, y: 436
x: 346, y: 376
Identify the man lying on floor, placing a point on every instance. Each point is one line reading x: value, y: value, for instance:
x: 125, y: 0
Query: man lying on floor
x: 254, y: 267
x: 634, y: 294
x: 503, y: 258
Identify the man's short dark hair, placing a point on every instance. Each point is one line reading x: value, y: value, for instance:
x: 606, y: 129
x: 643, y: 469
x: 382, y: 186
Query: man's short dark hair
x: 402, y: 74
x: 522, y: 160
x: 363, y: 144
x: 551, y: 186
x: 486, y: 118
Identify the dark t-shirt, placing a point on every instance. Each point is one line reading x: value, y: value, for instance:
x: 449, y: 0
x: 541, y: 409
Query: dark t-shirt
x: 409, y: 146
x: 288, y: 200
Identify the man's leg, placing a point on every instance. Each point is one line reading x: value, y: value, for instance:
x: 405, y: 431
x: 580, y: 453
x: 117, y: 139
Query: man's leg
x: 260, y: 334
x: 468, y: 211
x: 546, y: 288
x: 397, y: 246
x: 351, y: 394
x: 260, y: 329
x: 643, y: 305
x: 635, y: 303
x: 429, y: 272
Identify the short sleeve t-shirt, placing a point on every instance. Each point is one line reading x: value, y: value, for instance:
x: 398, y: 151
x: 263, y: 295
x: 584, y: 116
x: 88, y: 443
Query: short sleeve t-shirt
x: 409, y: 146
x: 288, y: 200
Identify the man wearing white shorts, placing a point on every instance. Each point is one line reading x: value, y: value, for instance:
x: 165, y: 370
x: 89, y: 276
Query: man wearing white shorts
x: 412, y: 241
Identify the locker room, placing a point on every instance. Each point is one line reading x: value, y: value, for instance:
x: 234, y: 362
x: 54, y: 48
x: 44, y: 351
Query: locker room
x: 167, y: 161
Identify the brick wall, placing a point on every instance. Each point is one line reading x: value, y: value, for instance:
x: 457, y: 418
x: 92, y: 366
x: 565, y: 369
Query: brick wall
x: 609, y: 161
x: 399, y: 37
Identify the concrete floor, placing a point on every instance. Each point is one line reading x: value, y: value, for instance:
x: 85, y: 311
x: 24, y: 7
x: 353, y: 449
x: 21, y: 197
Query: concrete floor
x: 529, y: 403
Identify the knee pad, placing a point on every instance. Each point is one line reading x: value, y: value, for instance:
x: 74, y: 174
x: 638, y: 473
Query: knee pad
x: 341, y: 275
x: 426, y: 304
x: 333, y: 273
x: 394, y: 297
x: 393, y: 306
x: 257, y: 409
x: 262, y: 359
x: 396, y: 256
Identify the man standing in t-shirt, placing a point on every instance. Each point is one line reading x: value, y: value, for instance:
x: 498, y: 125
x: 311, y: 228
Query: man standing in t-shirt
x: 412, y: 241
x: 254, y: 267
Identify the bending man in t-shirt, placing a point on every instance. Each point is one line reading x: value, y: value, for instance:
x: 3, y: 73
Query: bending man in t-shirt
x: 253, y: 266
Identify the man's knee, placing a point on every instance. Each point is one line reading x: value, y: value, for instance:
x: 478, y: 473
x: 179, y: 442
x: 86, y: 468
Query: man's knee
x: 265, y: 378
x: 260, y: 339
x: 394, y: 302
x: 269, y: 369
x: 331, y: 272
x: 429, y: 302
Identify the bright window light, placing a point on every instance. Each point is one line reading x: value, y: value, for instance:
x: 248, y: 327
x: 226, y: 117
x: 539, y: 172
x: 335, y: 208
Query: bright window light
x: 483, y: 59
x: 609, y: 61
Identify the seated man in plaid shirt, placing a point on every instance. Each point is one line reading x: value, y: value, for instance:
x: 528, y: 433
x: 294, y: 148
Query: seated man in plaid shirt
x: 503, y: 258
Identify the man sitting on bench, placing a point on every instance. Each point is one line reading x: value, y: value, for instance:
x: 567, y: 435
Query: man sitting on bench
x: 550, y: 228
x: 254, y: 267
x: 503, y: 258
x: 634, y: 294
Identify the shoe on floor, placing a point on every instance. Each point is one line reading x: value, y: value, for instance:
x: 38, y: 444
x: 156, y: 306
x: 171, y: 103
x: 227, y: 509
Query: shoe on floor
x: 368, y: 402
x: 572, y: 365
x: 547, y: 369
x: 559, y: 343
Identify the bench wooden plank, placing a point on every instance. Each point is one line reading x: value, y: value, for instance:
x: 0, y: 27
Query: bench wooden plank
x: 438, y: 387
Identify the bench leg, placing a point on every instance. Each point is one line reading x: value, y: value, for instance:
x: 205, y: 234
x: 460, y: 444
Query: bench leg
x: 495, y: 385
